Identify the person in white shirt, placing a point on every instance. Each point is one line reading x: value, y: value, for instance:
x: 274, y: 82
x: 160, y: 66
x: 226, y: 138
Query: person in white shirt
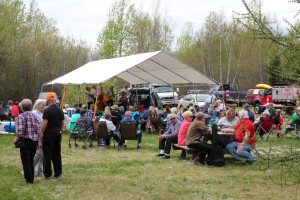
x: 229, y: 121
x: 211, y: 97
x: 111, y: 129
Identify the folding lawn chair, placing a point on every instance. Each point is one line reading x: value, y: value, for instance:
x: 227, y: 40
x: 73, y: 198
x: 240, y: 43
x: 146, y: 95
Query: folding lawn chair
x: 267, y: 126
x: 128, y: 131
x: 80, y: 132
x: 70, y: 112
x: 100, y: 130
x: 294, y: 129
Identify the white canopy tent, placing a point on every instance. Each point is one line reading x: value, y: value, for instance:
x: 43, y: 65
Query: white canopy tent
x: 155, y: 67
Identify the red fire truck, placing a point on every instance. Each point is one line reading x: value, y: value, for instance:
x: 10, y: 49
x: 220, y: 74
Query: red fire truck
x: 282, y: 96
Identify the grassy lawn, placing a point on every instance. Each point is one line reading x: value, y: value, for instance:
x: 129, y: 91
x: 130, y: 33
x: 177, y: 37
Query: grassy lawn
x: 137, y: 174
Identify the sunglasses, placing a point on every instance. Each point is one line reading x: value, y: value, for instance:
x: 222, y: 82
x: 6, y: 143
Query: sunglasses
x: 172, y: 118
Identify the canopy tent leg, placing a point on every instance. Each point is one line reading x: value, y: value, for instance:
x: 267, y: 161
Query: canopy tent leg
x: 52, y: 88
x: 79, y: 93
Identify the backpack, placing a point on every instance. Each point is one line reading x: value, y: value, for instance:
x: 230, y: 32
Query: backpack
x: 216, y: 156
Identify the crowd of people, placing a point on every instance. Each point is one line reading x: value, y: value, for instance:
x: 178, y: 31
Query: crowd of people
x: 41, y: 128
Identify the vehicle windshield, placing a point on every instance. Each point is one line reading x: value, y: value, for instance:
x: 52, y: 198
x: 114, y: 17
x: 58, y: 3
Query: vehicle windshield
x: 201, y: 98
x: 163, y: 89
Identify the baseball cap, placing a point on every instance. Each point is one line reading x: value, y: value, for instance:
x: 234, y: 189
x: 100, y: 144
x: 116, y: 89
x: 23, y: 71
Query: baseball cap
x: 50, y: 95
x: 246, y: 105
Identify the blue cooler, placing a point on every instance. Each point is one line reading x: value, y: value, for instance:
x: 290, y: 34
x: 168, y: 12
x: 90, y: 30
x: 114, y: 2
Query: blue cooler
x: 12, y: 128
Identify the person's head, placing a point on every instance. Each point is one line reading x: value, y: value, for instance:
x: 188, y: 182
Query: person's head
x: 265, y: 114
x: 278, y: 111
x: 210, y: 111
x: 121, y: 108
x: 10, y: 102
x: 188, y: 115
x: 190, y: 105
x: 83, y: 112
x: 173, y: 118
x: 16, y: 103
x: 246, y: 106
x: 230, y: 114
x: 107, y: 108
x: 39, y: 105
x: 77, y: 110
x: 298, y: 110
x: 159, y: 106
x: 94, y: 87
x: 154, y: 112
x: 191, y: 109
x: 80, y: 105
x: 126, y: 86
x: 210, y: 92
x: 167, y: 108
x: 243, y: 115
x: 75, y: 105
x: 271, y: 105
x: 107, y: 115
x: 114, y: 107
x: 127, y: 114
x: 88, y: 88
x: 67, y: 106
x: 206, y: 103
x: 26, y: 105
x: 200, y: 117
x: 111, y: 87
x: 84, y: 106
x: 50, y: 98
x: 174, y: 110
x: 123, y: 93
x: 222, y: 114
x: 131, y: 108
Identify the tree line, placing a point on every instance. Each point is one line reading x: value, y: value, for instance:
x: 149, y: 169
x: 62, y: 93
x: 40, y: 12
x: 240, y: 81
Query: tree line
x: 243, y: 49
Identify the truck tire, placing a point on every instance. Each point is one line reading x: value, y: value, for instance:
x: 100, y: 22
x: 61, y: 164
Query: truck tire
x: 257, y: 108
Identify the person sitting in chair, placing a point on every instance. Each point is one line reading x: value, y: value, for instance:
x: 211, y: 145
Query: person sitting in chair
x: 84, y: 118
x: 138, y: 132
x: 291, y: 126
x: 3, y: 114
x: 244, y: 139
x: 111, y: 129
x: 169, y: 137
x: 250, y: 113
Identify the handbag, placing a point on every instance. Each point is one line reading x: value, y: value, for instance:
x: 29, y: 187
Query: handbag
x: 20, y: 143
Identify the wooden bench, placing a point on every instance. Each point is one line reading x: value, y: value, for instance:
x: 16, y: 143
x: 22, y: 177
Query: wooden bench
x: 185, y: 150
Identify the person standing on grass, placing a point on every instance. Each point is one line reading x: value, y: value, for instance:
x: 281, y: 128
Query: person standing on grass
x: 38, y: 110
x: 52, y: 125
x: 30, y: 130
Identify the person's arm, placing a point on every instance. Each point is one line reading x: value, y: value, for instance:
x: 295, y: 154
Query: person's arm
x: 62, y: 125
x: 21, y: 128
x: 245, y: 140
x: 44, y: 125
x: 228, y: 131
x: 176, y: 130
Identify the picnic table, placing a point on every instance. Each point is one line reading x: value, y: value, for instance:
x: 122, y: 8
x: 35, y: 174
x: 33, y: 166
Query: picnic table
x: 186, y: 150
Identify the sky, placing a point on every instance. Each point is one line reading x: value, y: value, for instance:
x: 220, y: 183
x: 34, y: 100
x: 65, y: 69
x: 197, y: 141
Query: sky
x: 84, y: 19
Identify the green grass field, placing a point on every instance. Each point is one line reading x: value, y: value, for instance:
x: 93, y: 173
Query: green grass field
x: 137, y: 174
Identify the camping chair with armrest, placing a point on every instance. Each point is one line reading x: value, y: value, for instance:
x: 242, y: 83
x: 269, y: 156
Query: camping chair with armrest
x: 267, y: 126
x: 294, y: 128
x: 128, y: 131
x: 84, y: 133
x: 100, y: 130
x: 74, y: 134
x: 116, y: 121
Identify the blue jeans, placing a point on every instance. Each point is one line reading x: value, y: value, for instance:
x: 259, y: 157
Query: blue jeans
x: 243, y: 155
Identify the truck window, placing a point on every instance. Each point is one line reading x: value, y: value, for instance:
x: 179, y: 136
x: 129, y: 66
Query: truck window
x: 162, y: 89
x: 269, y: 92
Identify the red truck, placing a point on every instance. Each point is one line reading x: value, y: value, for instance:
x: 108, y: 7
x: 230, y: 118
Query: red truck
x: 283, y: 96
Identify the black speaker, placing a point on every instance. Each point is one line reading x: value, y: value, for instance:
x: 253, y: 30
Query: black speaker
x: 226, y: 87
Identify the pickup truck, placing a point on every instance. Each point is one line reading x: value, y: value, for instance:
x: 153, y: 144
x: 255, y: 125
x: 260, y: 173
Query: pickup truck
x: 232, y: 95
x: 283, y: 96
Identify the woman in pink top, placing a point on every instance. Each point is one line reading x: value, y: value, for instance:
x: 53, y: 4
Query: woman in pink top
x: 188, y: 118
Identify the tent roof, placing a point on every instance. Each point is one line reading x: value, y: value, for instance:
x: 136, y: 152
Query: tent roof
x: 155, y: 67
